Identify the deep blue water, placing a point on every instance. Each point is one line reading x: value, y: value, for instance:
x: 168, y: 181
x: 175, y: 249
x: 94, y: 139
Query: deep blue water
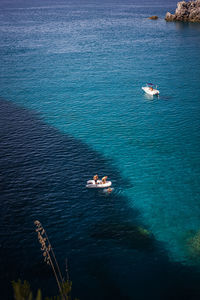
x: 72, y: 106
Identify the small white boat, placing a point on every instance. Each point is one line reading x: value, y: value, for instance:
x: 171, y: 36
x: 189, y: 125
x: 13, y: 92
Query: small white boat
x: 149, y: 89
x: 99, y: 184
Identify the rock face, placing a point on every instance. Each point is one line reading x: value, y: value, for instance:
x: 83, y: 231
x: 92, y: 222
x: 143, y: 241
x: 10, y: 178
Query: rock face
x: 153, y: 18
x: 186, y: 12
x: 194, y: 244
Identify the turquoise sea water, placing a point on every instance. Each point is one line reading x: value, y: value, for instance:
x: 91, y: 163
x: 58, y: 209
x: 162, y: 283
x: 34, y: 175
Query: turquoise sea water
x: 72, y: 106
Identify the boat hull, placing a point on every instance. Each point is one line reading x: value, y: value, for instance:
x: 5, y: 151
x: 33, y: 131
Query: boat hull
x: 148, y: 90
x: 99, y: 185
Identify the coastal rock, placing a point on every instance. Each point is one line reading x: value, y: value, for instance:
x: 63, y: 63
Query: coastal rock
x: 169, y: 17
x: 186, y: 12
x: 133, y: 236
x: 194, y: 244
x: 153, y: 18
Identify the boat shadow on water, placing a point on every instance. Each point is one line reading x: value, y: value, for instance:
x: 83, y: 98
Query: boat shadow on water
x: 158, y: 97
x: 43, y: 177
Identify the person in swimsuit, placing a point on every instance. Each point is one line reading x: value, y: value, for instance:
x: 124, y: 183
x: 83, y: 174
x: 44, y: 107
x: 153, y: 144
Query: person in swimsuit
x: 104, y: 179
x: 95, y: 178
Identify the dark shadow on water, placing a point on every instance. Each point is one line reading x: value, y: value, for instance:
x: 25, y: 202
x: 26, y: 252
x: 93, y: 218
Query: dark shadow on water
x: 187, y: 25
x: 156, y: 98
x: 111, y: 256
x: 128, y: 234
x: 165, y: 97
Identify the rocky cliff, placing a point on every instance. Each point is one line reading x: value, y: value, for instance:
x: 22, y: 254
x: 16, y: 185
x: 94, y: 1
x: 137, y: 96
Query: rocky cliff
x: 186, y: 11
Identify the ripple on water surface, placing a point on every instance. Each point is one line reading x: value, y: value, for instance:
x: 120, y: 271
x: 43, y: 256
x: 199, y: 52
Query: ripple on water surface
x: 101, y: 236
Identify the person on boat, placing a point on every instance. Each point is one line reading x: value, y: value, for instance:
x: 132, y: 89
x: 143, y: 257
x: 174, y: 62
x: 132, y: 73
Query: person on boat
x: 95, y: 178
x: 104, y: 179
x: 108, y: 190
x: 151, y: 88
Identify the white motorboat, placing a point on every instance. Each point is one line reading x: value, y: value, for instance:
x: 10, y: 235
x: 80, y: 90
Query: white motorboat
x: 99, y: 184
x: 149, y: 89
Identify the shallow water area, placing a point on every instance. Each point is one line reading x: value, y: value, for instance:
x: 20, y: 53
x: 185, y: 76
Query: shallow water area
x: 71, y: 74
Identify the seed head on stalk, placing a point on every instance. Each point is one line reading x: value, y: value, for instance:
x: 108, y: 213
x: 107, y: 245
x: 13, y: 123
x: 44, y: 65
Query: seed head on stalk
x: 49, y: 256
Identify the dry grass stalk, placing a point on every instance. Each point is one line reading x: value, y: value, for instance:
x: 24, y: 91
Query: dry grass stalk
x: 49, y: 256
